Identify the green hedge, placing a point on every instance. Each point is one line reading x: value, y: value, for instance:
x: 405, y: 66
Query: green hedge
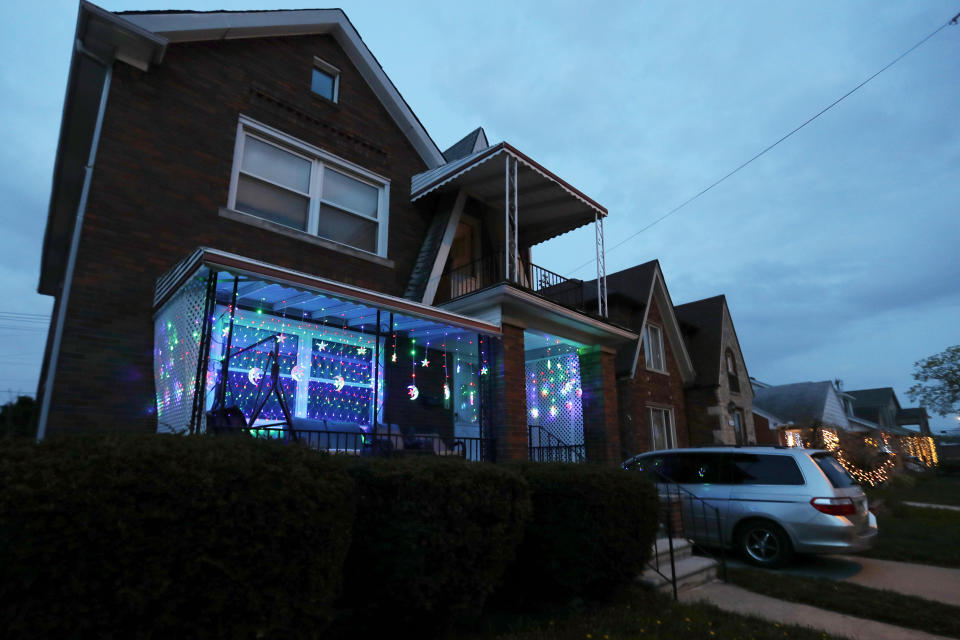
x: 169, y: 537
x: 592, y: 531
x: 432, y: 539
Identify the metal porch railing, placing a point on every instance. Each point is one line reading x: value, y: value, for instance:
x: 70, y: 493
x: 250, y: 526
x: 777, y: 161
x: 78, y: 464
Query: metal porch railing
x: 491, y: 270
x: 543, y: 446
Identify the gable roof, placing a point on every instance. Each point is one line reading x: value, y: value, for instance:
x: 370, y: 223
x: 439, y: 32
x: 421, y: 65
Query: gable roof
x: 638, y: 286
x: 802, y: 403
x: 873, y: 398
x: 704, y: 336
x: 474, y: 141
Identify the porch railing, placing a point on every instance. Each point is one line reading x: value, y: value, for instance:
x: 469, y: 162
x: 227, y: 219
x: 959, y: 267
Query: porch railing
x: 543, y: 446
x: 492, y: 269
x: 380, y: 444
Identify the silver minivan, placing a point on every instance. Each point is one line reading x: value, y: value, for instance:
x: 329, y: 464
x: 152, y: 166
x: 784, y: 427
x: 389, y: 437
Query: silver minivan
x: 765, y: 502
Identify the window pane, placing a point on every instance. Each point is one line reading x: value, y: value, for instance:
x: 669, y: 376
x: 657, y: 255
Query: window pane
x: 322, y: 83
x: 658, y: 431
x: 763, y: 469
x: 349, y: 193
x: 834, y: 471
x: 698, y: 468
x: 271, y: 203
x: 276, y: 165
x: 346, y: 228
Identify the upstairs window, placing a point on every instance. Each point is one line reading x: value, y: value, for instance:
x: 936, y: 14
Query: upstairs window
x: 326, y: 80
x: 653, y: 348
x: 663, y: 435
x: 290, y: 183
x: 732, y: 377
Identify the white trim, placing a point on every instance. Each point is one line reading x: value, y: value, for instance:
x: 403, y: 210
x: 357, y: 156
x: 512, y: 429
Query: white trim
x: 319, y: 160
x: 647, y: 352
x: 229, y: 25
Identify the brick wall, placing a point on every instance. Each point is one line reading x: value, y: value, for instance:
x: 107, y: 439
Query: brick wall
x: 163, y: 171
x: 651, y: 389
x: 601, y: 434
x: 703, y: 416
x: 508, y: 396
x: 764, y: 435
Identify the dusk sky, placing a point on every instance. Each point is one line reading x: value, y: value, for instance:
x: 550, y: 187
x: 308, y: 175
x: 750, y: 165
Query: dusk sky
x: 838, y: 251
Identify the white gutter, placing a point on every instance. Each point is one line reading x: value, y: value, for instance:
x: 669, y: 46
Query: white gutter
x: 74, y: 247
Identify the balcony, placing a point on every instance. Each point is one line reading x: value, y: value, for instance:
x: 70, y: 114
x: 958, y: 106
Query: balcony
x: 493, y: 270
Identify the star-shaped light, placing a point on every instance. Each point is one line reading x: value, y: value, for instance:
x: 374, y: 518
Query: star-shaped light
x: 425, y: 363
x: 483, y: 370
x: 283, y: 339
x: 322, y: 346
x: 361, y: 351
x: 393, y: 358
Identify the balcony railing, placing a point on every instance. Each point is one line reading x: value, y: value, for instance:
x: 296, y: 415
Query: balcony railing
x: 492, y: 269
x: 543, y: 446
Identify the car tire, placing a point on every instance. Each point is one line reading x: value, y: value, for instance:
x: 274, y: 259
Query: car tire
x: 764, y: 544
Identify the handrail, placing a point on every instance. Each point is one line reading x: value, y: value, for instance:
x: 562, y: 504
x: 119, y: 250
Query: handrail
x: 556, y: 449
x: 492, y: 269
x: 690, y: 526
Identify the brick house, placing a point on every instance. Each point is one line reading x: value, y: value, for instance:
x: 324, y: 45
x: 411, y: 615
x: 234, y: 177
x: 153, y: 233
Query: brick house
x: 247, y: 215
x: 720, y: 400
x: 654, y: 372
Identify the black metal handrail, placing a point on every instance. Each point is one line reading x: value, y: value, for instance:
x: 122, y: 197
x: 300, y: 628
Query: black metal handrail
x: 546, y: 447
x: 699, y: 523
x: 385, y: 444
x: 492, y: 269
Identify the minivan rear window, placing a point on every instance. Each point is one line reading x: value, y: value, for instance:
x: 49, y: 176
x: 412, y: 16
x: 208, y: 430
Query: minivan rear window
x: 834, y: 471
x: 749, y: 468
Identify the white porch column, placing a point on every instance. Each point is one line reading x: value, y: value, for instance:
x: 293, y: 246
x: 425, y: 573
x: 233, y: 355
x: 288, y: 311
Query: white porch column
x: 601, y: 266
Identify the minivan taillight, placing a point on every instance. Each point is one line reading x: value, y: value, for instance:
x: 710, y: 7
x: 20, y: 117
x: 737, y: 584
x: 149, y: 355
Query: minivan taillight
x: 835, y: 506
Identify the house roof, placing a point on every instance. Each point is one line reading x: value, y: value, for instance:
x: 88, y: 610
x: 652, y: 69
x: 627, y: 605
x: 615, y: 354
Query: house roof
x: 637, y: 287
x: 913, y: 415
x: 474, y: 141
x: 704, y: 336
x: 873, y: 398
x: 800, y: 403
x: 547, y: 205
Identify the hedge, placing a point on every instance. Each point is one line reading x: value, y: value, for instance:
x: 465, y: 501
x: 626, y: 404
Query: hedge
x: 166, y: 536
x: 592, y: 531
x: 432, y: 539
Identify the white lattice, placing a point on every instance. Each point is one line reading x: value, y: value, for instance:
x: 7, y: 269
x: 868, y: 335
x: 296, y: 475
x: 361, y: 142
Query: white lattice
x: 554, y: 397
x: 176, y: 346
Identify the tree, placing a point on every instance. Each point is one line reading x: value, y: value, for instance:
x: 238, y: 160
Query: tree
x: 18, y: 418
x: 938, y: 382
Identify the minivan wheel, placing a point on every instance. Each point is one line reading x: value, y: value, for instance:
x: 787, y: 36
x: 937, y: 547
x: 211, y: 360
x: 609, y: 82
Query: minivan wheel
x: 764, y: 544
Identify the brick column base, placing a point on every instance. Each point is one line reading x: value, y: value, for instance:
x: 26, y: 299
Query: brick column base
x: 509, y: 402
x: 601, y: 431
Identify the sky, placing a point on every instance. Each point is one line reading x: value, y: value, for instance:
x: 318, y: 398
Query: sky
x: 837, y: 251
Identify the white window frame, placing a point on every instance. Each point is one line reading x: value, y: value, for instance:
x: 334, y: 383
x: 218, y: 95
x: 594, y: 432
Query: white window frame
x: 322, y: 65
x: 648, y: 353
x: 671, y: 429
x: 319, y: 159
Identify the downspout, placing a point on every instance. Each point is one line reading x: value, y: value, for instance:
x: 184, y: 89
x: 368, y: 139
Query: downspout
x: 74, y: 244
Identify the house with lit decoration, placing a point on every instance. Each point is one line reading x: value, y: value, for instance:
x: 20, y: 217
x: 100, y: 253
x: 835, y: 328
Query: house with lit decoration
x: 250, y: 228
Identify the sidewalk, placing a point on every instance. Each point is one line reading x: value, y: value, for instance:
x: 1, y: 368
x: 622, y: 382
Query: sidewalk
x: 927, y: 505
x: 737, y: 600
x: 922, y: 580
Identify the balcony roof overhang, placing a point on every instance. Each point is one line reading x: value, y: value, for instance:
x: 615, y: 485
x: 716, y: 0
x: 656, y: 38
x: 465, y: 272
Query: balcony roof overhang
x: 504, y: 303
x: 170, y: 282
x: 547, y: 206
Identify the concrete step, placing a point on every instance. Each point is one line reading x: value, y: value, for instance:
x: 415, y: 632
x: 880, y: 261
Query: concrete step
x: 682, y: 548
x: 692, y: 571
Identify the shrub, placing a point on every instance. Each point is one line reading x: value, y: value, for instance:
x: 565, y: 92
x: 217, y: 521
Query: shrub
x: 591, y: 532
x: 169, y: 537
x: 432, y: 539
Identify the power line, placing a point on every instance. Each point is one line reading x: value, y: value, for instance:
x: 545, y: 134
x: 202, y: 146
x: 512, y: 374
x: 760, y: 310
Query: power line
x: 769, y: 148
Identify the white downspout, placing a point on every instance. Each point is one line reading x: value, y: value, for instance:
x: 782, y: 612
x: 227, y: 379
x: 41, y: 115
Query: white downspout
x: 72, y: 256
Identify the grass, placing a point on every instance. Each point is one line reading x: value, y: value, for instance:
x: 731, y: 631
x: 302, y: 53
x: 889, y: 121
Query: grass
x: 855, y: 600
x: 916, y: 534
x: 930, y: 488
x: 638, y: 613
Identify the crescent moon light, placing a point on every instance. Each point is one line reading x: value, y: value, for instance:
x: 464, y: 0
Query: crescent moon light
x: 413, y: 391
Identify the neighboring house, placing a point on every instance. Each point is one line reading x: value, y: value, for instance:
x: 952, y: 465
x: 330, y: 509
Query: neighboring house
x: 720, y: 400
x: 806, y: 407
x: 770, y: 429
x: 915, y: 419
x: 243, y: 204
x: 654, y: 371
x: 882, y: 407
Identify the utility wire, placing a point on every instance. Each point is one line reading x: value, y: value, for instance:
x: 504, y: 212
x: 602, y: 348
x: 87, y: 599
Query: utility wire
x: 680, y: 206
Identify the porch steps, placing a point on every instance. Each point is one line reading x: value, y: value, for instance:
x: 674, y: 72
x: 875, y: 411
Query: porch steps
x: 692, y: 571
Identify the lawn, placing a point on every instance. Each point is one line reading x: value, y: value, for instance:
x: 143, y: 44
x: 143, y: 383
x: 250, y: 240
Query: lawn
x: 638, y: 613
x: 929, y: 488
x: 855, y: 600
x: 915, y: 534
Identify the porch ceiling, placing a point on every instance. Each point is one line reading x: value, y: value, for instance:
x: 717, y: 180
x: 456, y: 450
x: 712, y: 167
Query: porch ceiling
x: 547, y: 206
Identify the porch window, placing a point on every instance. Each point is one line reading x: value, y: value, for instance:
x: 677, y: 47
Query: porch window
x: 663, y: 434
x: 288, y: 182
x: 653, y: 348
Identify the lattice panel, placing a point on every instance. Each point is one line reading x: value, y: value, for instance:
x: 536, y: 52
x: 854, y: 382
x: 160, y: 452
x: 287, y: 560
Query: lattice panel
x: 176, y: 346
x: 555, y: 398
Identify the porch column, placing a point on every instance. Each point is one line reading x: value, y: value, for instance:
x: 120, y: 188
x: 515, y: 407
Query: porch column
x: 509, y: 401
x: 601, y: 432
